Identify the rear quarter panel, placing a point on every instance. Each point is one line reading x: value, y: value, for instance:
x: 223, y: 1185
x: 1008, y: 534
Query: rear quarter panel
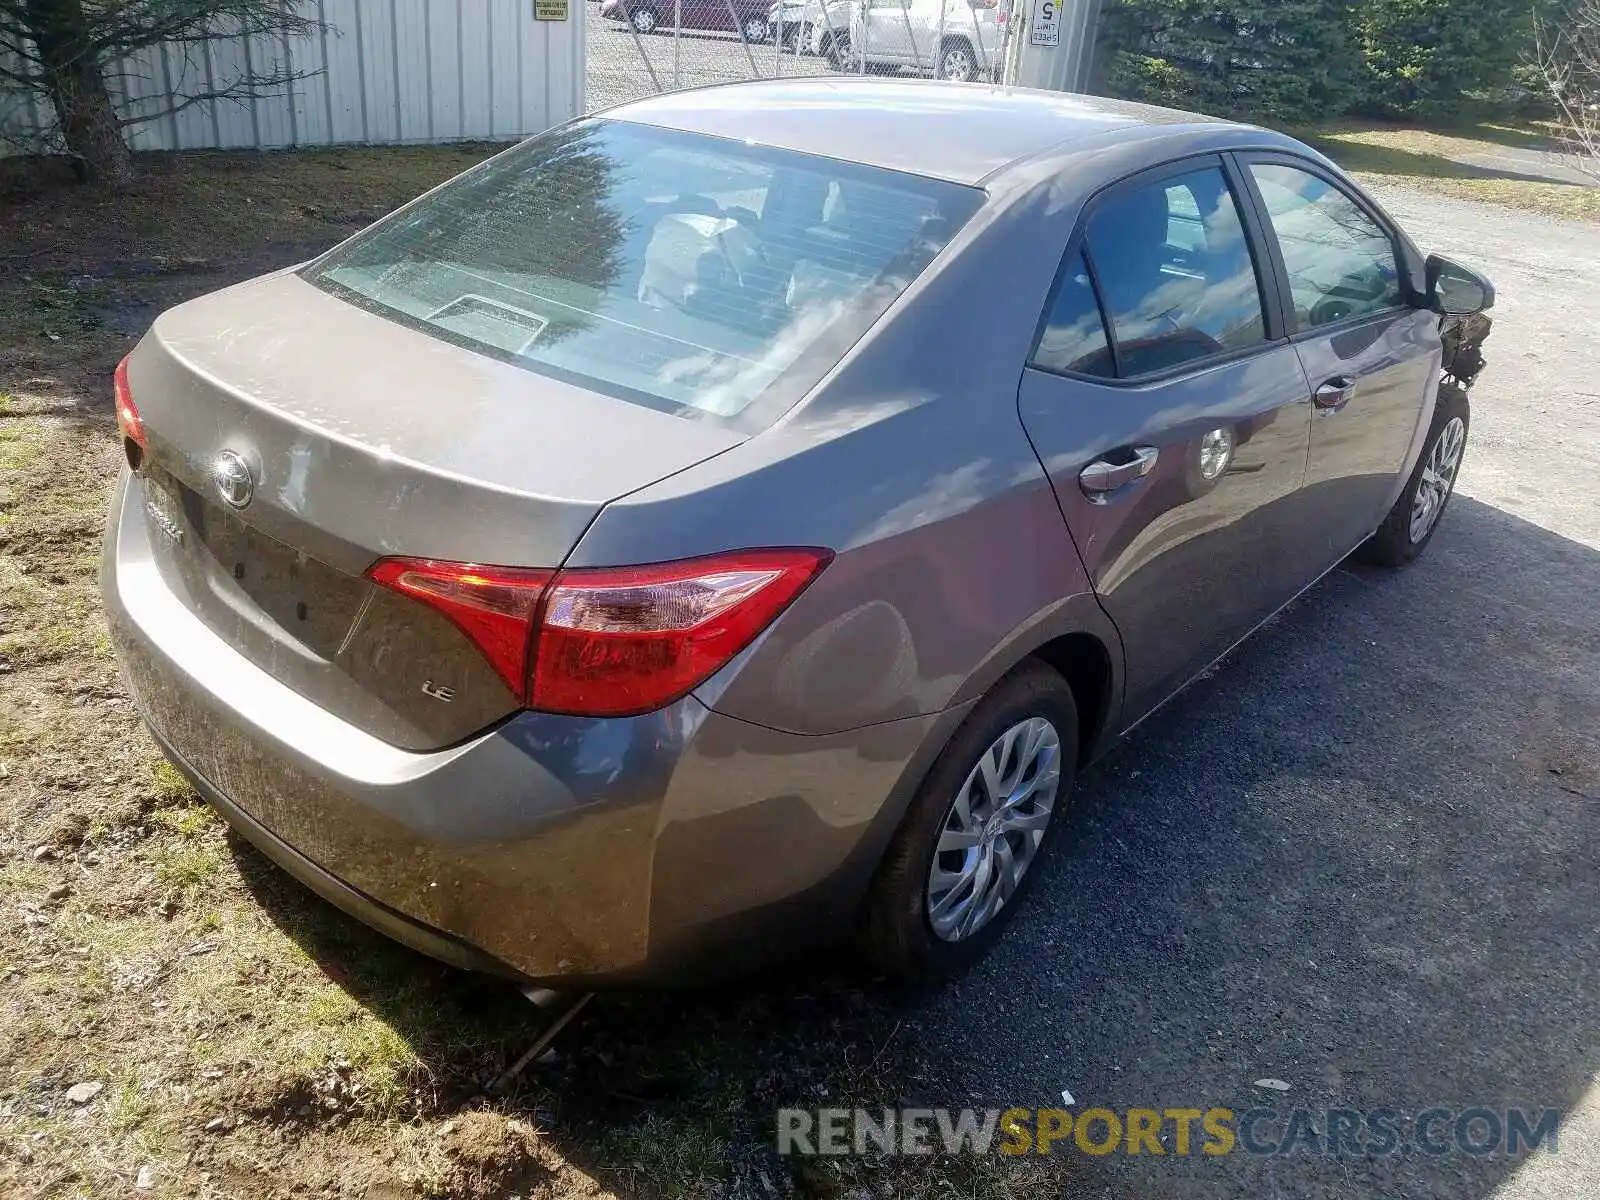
x: 910, y: 463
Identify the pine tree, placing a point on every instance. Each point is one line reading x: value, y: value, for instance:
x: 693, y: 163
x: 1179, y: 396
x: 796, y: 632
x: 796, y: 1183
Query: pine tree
x: 1422, y: 56
x: 1283, y: 61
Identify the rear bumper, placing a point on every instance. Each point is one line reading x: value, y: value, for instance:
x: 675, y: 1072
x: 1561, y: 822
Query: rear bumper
x: 557, y: 849
x: 335, y: 891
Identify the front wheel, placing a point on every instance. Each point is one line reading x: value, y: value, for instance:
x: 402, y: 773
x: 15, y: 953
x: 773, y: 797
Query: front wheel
x: 644, y: 19
x: 962, y: 859
x: 1412, y: 521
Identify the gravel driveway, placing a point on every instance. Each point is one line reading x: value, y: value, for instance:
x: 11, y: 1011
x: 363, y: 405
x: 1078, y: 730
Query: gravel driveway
x: 1361, y: 857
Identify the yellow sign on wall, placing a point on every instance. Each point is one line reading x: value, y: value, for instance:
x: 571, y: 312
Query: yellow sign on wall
x: 550, y: 10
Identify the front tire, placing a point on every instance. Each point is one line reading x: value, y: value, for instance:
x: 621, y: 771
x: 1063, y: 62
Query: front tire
x: 963, y: 857
x: 644, y: 19
x: 1415, y: 517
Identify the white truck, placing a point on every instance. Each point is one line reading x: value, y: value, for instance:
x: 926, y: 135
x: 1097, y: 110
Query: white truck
x: 945, y: 39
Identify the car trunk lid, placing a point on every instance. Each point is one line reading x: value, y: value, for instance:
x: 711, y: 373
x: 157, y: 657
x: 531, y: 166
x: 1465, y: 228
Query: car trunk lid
x: 365, y: 439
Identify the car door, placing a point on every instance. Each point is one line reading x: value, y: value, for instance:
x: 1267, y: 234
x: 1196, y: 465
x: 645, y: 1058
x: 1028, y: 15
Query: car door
x: 1173, y: 417
x: 707, y: 14
x: 886, y: 36
x: 1371, y: 358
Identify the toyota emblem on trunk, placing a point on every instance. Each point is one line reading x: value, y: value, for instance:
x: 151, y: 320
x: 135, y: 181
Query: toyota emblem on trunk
x: 235, y: 484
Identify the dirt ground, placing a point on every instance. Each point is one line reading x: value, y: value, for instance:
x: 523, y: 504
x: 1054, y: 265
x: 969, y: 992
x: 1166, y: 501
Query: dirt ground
x: 1395, y: 908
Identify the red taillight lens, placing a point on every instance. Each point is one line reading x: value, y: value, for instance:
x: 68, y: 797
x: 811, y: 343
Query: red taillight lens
x: 627, y: 640
x: 129, y: 421
x: 494, y: 606
x: 610, y: 641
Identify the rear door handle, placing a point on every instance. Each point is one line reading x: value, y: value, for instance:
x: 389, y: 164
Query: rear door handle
x: 1115, y: 470
x: 1333, y: 395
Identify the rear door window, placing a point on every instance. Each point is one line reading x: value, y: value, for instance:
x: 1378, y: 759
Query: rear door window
x: 1074, y: 335
x: 1175, y: 272
x: 690, y: 273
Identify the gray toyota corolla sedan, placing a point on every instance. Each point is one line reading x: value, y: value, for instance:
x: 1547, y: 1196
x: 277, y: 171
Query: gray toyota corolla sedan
x: 732, y: 521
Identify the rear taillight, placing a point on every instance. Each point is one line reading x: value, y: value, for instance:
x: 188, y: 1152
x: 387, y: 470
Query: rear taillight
x: 134, y: 442
x: 494, y: 606
x: 610, y: 641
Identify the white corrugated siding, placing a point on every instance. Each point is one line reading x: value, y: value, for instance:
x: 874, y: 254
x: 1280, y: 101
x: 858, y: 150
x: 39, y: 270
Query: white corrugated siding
x: 386, y: 71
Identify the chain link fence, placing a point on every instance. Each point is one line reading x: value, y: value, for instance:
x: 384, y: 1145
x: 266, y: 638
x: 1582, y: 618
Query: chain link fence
x: 637, y: 48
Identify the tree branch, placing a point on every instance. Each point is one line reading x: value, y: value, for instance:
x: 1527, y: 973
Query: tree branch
x: 139, y: 24
x: 1568, y: 62
x: 252, y: 87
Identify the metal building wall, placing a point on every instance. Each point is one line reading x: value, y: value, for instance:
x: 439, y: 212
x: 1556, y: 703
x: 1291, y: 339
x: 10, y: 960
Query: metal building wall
x: 385, y: 71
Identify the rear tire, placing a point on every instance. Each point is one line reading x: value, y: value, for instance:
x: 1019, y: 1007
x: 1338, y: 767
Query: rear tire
x: 957, y: 62
x: 1415, y: 517
x: 897, y: 931
x: 643, y: 18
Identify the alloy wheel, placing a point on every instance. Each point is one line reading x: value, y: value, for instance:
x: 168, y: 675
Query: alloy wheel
x: 957, y: 65
x: 993, y: 829
x: 1216, y: 453
x: 644, y: 20
x: 1438, y: 477
x: 755, y: 30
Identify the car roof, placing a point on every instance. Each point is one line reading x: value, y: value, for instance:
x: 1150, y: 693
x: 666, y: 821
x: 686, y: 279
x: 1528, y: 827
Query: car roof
x: 960, y: 132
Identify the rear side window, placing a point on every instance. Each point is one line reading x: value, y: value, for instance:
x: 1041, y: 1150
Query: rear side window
x: 1175, y: 272
x: 1340, y: 262
x: 689, y: 273
x: 1074, y: 336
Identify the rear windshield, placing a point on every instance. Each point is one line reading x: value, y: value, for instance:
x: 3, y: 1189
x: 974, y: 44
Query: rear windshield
x: 690, y: 273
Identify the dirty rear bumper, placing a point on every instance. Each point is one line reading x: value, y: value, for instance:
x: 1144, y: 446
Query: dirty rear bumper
x: 335, y: 891
x: 558, y: 849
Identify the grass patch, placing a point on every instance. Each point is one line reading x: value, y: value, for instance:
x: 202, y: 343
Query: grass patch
x: 169, y: 785
x: 183, y: 867
x: 189, y: 821
x: 674, y: 1157
x: 1517, y: 168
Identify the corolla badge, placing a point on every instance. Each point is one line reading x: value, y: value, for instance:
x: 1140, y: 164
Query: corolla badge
x: 232, y: 475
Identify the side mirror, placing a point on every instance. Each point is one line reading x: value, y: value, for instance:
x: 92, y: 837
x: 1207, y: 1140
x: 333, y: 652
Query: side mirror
x: 1457, y: 291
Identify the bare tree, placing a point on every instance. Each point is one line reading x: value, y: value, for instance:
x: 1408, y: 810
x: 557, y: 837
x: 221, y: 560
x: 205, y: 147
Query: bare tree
x: 66, y: 51
x: 1569, y: 62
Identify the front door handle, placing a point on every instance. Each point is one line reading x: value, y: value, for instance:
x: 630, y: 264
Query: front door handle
x: 1333, y: 395
x: 1116, y: 469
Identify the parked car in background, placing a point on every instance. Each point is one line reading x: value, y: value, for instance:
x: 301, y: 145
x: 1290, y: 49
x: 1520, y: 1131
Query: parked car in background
x: 730, y: 523
x: 812, y: 27
x: 948, y: 39
x: 745, y: 17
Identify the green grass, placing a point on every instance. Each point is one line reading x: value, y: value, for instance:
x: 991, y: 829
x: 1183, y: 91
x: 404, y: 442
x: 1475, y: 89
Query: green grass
x: 184, y: 867
x: 1441, y: 161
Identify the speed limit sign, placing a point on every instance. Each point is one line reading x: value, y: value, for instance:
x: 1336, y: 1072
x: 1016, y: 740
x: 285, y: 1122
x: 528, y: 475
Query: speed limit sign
x: 1045, y: 28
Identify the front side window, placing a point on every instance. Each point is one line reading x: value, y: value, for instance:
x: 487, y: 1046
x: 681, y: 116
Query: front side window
x: 689, y: 273
x: 1340, y: 262
x: 1175, y: 272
